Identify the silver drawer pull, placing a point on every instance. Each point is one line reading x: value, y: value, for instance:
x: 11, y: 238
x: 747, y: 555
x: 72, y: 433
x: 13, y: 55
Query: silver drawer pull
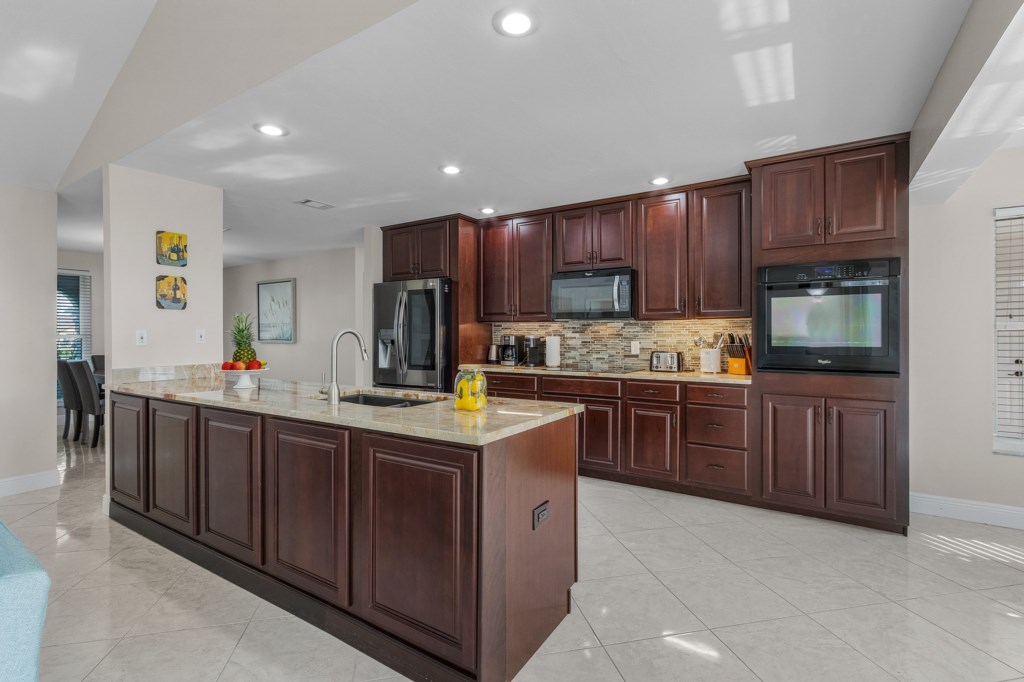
x: 715, y: 395
x: 651, y: 390
x: 715, y: 426
x: 716, y: 466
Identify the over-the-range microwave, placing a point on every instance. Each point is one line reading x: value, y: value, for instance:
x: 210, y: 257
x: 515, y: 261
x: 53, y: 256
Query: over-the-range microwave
x: 593, y: 295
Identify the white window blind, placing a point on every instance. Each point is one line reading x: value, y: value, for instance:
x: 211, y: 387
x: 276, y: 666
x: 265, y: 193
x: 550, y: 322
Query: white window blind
x: 1009, y: 331
x: 74, y: 316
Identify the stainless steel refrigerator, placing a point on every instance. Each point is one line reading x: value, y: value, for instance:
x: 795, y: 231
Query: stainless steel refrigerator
x: 412, y: 334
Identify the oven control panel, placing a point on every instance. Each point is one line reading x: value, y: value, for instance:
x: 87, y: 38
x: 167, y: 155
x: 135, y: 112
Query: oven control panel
x: 818, y: 272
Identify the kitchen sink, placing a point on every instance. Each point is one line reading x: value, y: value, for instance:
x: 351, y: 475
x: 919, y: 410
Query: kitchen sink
x: 381, y: 400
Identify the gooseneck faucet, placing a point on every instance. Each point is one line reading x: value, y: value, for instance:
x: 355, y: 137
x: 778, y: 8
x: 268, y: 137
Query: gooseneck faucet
x: 333, y: 397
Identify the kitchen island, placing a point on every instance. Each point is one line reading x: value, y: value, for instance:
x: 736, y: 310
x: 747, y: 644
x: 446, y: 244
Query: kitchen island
x: 441, y: 543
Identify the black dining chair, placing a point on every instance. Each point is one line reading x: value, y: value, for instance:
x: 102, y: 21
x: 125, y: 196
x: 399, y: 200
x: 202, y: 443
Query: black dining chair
x: 99, y: 363
x: 72, y: 401
x: 92, y: 403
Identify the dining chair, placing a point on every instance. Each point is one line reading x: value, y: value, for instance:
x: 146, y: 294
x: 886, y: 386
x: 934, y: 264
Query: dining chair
x: 72, y: 401
x: 92, y: 403
x: 99, y: 363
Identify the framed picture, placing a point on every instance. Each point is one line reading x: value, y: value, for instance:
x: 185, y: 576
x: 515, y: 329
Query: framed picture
x: 171, y: 248
x: 275, y: 311
x: 171, y: 292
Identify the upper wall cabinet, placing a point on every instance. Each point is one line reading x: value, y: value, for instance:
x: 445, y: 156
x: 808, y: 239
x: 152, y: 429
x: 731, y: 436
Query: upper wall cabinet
x: 843, y: 197
x: 720, y: 251
x: 594, y: 237
x: 515, y: 269
x: 661, y: 257
x: 417, y: 251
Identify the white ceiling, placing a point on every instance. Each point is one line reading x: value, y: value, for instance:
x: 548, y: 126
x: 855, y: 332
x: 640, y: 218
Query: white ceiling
x: 603, y: 96
x: 57, y: 61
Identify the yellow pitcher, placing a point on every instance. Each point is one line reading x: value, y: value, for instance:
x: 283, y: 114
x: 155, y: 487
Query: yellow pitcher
x: 470, y: 390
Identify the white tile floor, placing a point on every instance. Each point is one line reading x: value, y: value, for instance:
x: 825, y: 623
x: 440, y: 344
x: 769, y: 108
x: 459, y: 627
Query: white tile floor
x: 672, y: 588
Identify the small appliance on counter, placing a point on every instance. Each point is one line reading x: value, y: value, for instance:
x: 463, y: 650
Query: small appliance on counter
x: 492, y: 354
x: 511, y: 350
x: 666, y: 361
x: 533, y: 351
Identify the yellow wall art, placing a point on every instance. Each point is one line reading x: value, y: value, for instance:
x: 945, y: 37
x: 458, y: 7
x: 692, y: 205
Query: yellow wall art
x: 171, y: 248
x: 171, y: 292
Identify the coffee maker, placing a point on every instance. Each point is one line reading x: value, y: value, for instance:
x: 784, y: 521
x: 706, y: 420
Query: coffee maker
x: 511, y: 350
x: 533, y: 351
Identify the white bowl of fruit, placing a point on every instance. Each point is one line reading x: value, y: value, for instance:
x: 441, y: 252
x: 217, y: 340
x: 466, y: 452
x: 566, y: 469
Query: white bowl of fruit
x: 243, y: 363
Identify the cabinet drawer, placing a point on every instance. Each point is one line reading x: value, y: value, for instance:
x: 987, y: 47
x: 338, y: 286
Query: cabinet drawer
x: 716, y: 467
x: 512, y: 382
x: 716, y: 395
x: 652, y: 390
x: 716, y: 426
x: 602, y: 388
x: 518, y: 395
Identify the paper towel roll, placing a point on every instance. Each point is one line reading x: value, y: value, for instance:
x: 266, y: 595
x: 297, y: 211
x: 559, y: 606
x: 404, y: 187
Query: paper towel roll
x: 552, y: 351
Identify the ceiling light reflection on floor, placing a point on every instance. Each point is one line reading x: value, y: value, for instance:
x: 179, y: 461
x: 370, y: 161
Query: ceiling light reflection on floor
x: 694, y: 647
x: 766, y: 75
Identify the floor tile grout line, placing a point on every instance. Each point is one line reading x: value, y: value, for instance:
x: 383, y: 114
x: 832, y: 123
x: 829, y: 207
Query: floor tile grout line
x: 227, y: 661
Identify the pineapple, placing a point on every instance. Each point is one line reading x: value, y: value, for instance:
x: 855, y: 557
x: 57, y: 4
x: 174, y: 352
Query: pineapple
x: 241, y: 335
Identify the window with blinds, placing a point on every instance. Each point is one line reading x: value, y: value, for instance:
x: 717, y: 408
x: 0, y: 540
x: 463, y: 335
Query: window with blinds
x: 74, y: 317
x: 1009, y: 332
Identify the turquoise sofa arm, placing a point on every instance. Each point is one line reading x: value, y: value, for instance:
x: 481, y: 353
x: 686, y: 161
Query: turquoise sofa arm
x: 24, y: 592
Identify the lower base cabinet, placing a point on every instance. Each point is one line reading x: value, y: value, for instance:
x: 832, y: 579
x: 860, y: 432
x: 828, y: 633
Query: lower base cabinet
x: 652, y: 440
x: 601, y: 434
x: 306, y: 507
x: 128, y: 446
x: 171, y: 470
x: 417, y: 577
x: 231, y: 484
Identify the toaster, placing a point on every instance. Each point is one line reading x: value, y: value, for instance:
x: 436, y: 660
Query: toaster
x: 666, y: 361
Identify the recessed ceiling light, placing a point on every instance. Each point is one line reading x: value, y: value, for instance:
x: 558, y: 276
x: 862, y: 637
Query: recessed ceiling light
x: 487, y: 211
x: 271, y: 129
x: 659, y: 180
x: 513, y: 23
x: 451, y: 170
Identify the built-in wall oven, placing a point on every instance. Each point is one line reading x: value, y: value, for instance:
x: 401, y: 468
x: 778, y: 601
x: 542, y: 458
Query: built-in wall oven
x: 831, y: 317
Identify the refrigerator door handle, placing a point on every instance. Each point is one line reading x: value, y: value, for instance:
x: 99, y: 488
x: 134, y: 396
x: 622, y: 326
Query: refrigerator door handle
x: 400, y: 333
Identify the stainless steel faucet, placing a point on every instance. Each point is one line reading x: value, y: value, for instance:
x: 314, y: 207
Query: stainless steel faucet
x: 333, y: 391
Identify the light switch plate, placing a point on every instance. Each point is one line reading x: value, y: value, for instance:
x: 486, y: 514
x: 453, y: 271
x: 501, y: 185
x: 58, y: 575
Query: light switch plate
x: 634, y: 348
x: 141, y: 338
x: 200, y: 335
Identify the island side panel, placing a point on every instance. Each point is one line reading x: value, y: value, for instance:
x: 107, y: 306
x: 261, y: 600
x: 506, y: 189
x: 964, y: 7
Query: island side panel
x: 538, y: 467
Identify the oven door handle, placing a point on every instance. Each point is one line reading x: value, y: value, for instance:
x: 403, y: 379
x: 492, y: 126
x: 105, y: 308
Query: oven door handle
x: 862, y: 283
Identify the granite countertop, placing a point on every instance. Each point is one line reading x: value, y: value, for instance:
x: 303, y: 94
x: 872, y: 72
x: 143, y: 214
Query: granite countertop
x: 639, y: 375
x: 439, y: 420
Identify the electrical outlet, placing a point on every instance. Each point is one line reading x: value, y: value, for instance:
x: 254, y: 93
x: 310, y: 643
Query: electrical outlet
x: 141, y: 338
x: 634, y: 348
x: 540, y: 515
x: 200, y: 335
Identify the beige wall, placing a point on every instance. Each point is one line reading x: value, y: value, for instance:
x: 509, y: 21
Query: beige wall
x: 372, y: 264
x: 135, y: 205
x: 325, y: 287
x: 951, y: 331
x: 28, y: 399
x: 91, y: 263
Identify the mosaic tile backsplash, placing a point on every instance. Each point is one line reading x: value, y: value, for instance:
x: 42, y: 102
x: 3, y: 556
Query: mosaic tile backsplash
x: 604, y: 346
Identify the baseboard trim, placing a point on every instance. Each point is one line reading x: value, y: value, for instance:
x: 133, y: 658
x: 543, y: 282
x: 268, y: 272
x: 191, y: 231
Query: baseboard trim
x: 968, y: 510
x: 26, y: 483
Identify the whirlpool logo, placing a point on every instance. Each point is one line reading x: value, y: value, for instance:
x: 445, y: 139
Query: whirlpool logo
x: 824, y: 362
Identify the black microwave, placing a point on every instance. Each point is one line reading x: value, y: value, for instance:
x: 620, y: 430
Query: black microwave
x: 829, y: 317
x: 593, y: 295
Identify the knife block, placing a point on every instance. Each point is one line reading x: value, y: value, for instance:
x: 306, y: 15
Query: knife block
x: 739, y: 366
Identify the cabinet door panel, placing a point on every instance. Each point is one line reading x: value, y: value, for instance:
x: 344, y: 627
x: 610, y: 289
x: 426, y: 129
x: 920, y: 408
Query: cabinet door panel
x: 532, y: 271
x: 128, y: 452
x: 432, y: 249
x: 600, y: 434
x: 720, y: 251
x: 230, y: 484
x: 861, y: 457
x: 716, y: 468
x: 661, y: 257
x: 172, y: 465
x: 793, y: 451
x: 496, y: 271
x: 793, y: 203
x: 573, y: 243
x: 613, y: 235
x: 307, y: 508
x: 419, y: 507
x: 860, y: 189
x: 400, y: 253
x: 652, y: 440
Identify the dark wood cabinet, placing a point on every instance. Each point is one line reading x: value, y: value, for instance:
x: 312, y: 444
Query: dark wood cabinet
x: 843, y: 197
x: 171, y: 470
x: 860, y: 194
x: 594, y: 237
x: 306, y: 469
x: 128, y: 445
x: 418, y: 573
x: 231, y: 483
x: 793, y: 450
x: 661, y: 257
x: 417, y: 251
x: 720, y: 251
x: 600, y: 436
x: 515, y: 269
x: 652, y: 440
x: 861, y: 455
